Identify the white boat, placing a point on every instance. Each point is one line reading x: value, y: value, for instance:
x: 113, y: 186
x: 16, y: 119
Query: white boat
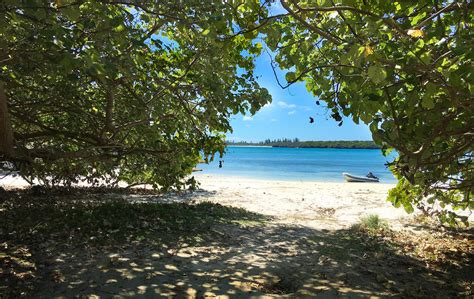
x: 354, y: 178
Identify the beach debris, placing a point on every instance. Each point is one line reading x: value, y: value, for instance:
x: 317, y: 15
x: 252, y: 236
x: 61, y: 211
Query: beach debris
x: 328, y: 212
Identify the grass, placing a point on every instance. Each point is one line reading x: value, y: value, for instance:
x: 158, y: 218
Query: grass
x: 372, y: 223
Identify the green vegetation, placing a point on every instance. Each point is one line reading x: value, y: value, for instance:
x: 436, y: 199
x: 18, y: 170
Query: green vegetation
x: 122, y: 90
x: 309, y: 144
x: 404, y: 68
x: 371, y: 222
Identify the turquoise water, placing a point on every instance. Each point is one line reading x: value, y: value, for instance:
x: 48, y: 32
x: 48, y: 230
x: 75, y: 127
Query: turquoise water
x: 308, y: 164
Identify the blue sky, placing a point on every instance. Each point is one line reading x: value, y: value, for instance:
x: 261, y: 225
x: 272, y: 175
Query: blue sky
x: 288, y: 115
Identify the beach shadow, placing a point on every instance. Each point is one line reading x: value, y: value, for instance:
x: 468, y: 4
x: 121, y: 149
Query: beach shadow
x: 195, y: 250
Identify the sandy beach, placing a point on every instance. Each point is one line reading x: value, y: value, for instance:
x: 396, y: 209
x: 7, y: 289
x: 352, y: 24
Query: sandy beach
x: 322, y: 205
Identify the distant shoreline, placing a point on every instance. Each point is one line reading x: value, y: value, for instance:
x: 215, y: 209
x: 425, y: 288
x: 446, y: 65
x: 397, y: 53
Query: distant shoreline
x: 249, y: 145
x: 296, y: 143
x: 326, y: 147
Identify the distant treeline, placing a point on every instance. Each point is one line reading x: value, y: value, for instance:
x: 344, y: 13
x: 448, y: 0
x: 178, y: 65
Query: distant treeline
x: 285, y: 142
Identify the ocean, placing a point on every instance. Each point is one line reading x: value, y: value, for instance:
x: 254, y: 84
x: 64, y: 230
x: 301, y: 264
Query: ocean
x: 305, y: 164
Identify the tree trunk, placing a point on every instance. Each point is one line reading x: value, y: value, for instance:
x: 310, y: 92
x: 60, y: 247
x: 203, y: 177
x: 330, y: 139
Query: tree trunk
x: 6, y: 131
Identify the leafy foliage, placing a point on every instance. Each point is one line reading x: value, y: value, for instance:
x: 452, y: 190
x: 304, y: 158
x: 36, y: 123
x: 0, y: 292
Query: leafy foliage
x: 122, y: 90
x: 405, y: 68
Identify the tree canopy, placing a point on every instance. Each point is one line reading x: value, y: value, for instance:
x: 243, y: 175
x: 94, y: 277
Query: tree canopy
x: 134, y: 91
x: 405, y: 68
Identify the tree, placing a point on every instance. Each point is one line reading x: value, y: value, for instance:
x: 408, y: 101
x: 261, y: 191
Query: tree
x: 129, y: 91
x: 405, y: 68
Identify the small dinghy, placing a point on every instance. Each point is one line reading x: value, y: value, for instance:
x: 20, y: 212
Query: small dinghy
x: 354, y: 178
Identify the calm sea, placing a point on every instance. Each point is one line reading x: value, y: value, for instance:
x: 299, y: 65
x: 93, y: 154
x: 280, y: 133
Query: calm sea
x: 308, y: 164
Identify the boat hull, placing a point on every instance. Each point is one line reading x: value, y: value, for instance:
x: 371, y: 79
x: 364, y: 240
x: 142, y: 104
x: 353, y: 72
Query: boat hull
x: 358, y: 179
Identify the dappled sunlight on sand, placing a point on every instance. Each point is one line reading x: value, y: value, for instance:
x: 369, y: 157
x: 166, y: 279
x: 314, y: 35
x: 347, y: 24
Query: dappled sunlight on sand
x: 183, y: 245
x: 272, y: 259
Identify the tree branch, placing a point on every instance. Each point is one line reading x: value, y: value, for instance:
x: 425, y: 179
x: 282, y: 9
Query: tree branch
x: 388, y: 21
x: 308, y: 25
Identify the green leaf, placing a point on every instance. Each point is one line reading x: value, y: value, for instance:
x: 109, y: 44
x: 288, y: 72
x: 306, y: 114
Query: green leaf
x: 290, y: 76
x: 119, y: 28
x: 71, y: 12
x: 408, y: 207
x: 427, y: 101
x: 377, y: 74
x: 420, y: 43
x: 426, y: 58
x: 366, y: 118
x: 256, y: 49
x: 417, y: 18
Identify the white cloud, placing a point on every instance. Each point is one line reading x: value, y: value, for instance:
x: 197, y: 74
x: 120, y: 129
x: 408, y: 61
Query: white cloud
x: 292, y: 112
x: 247, y: 118
x: 273, y: 120
x: 285, y: 105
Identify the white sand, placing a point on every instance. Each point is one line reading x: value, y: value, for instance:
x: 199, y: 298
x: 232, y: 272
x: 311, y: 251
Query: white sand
x: 315, y: 204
